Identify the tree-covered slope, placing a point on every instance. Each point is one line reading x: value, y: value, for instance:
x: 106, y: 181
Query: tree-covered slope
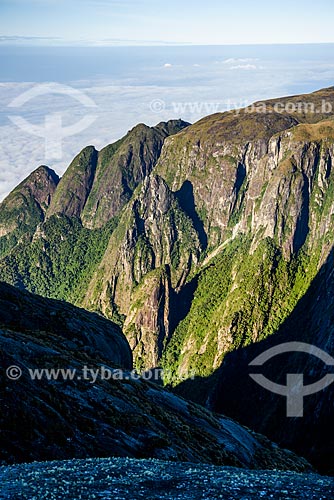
x: 235, y: 393
x: 198, y: 240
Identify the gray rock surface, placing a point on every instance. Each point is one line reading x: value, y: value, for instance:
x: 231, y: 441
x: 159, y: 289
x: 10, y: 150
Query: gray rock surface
x: 71, y: 416
x: 124, y: 479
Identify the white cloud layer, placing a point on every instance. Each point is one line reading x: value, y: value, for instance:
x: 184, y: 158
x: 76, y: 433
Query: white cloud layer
x: 244, y: 66
x: 194, y: 88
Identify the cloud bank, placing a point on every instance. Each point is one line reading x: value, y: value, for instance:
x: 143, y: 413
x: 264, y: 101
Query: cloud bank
x: 196, y: 86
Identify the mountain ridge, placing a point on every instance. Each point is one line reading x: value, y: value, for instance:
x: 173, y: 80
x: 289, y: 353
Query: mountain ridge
x: 102, y: 182
x: 207, y: 243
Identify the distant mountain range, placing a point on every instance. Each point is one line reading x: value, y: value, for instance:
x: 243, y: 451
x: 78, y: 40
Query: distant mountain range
x: 206, y: 244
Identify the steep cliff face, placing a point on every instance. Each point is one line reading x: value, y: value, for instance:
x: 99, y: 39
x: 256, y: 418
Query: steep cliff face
x: 25, y: 207
x: 250, y: 170
x: 97, y: 185
x: 154, y: 247
x: 147, y: 325
x: 74, y: 187
x: 199, y: 246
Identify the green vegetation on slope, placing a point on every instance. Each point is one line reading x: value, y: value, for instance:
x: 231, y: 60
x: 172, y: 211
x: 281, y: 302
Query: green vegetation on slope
x: 255, y: 190
x: 240, y: 298
x: 59, y: 261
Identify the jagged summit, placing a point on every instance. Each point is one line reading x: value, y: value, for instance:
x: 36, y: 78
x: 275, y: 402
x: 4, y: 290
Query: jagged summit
x: 198, y: 242
x: 40, y: 185
x: 25, y: 207
x: 97, y: 185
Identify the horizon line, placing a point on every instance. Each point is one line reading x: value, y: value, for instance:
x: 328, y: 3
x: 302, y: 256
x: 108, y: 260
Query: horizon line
x: 39, y: 41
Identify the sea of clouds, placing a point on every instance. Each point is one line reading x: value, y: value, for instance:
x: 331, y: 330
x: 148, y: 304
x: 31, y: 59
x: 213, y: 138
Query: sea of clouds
x: 146, y: 89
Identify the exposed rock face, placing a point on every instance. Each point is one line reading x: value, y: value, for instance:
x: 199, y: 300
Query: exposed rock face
x: 75, y: 418
x: 153, y: 232
x: 149, y: 317
x: 75, y: 185
x: 210, y: 237
x: 97, y: 185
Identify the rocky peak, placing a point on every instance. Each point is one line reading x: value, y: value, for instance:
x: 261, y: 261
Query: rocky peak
x: 122, y: 167
x: 172, y: 126
x: 75, y: 185
x: 25, y: 207
x: 39, y: 185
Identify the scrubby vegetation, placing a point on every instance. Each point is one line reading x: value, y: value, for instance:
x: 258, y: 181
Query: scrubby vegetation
x: 59, y: 261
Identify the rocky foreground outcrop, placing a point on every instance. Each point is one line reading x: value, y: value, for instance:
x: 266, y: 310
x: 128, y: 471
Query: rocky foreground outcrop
x: 79, y: 416
x: 156, y: 479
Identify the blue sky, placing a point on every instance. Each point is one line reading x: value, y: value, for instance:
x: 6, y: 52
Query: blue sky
x: 104, y: 22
